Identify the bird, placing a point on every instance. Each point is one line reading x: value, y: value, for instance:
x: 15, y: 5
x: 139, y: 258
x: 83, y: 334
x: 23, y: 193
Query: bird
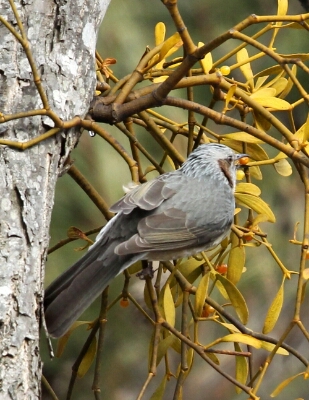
x: 178, y: 214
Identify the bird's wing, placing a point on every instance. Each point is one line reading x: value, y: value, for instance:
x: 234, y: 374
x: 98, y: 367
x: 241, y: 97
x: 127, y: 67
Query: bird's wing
x: 147, y: 196
x: 190, y: 217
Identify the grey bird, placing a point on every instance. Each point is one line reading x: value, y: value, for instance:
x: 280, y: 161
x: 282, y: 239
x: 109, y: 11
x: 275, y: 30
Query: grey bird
x: 176, y: 215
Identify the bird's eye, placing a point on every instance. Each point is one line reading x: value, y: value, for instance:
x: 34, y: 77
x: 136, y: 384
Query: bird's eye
x: 230, y: 159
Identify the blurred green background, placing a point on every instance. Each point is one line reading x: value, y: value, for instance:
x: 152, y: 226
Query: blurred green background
x: 127, y: 29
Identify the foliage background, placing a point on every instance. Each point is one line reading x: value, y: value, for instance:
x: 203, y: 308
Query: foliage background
x: 127, y: 28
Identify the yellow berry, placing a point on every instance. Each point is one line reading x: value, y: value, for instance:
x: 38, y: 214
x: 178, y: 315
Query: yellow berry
x: 240, y: 175
x: 225, y: 70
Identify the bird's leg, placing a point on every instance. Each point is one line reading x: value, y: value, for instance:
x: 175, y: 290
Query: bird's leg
x: 147, y: 270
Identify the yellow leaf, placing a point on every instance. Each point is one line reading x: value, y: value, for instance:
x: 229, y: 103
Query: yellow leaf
x: 190, y: 269
x: 230, y: 95
x: 243, y: 137
x: 222, y: 290
x: 242, y: 338
x: 213, y: 357
x: 135, y: 268
x: 249, y: 188
x: 168, y: 305
x: 254, y: 151
x: 236, y: 298
x: 258, y: 219
x: 290, y: 83
x: 190, y: 358
x: 306, y: 130
x: 160, y: 78
x: 160, y: 31
x: 242, y: 56
x: 251, y: 341
x: 200, y: 295
x: 149, y: 169
x: 282, y: 7
x: 273, y: 102
x: 64, y: 339
x: 263, y: 92
x: 274, y: 311
x: 256, y: 173
x: 241, y: 368
x: 206, y: 62
x: 283, y: 384
x: 276, y: 69
x: 164, y: 345
x: 87, y: 359
x: 259, y: 82
x: 176, y: 46
x: 269, y: 347
x: 280, y: 85
x: 261, y: 123
x: 236, y: 261
x: 283, y: 167
x: 168, y: 44
x: 159, y: 392
x: 280, y: 156
x: 232, y: 328
x: 256, y: 204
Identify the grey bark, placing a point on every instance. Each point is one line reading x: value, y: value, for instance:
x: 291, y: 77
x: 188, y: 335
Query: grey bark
x: 62, y: 35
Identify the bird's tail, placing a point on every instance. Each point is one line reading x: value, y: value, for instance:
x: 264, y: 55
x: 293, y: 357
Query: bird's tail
x: 73, y: 291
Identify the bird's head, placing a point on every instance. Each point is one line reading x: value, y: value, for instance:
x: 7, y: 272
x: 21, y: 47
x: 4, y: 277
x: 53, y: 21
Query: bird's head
x: 213, y: 160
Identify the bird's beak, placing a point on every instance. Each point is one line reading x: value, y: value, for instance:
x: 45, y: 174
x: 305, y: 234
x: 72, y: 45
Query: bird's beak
x: 238, y: 157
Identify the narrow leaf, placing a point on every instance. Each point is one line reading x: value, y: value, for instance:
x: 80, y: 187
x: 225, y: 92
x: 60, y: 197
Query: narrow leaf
x: 213, y: 357
x: 273, y: 102
x: 62, y: 342
x: 159, y: 392
x: 280, y: 85
x: 283, y: 384
x: 88, y: 358
x: 236, y: 298
x: 248, y: 188
x: 245, y: 68
x: 241, y: 368
x: 169, y: 43
x: 306, y: 130
x: 160, y: 31
x: 274, y: 310
x: 256, y: 173
x: 254, y: 151
x: 290, y: 83
x: 168, y: 305
x: 251, y: 341
x: 200, y: 295
x: 164, y: 345
x: 256, y: 204
x: 263, y: 92
x: 230, y: 95
x: 190, y: 269
x: 236, y: 261
x: 206, y: 62
x: 243, y: 137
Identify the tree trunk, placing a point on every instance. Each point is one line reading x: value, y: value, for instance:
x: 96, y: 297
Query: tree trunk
x: 62, y: 36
